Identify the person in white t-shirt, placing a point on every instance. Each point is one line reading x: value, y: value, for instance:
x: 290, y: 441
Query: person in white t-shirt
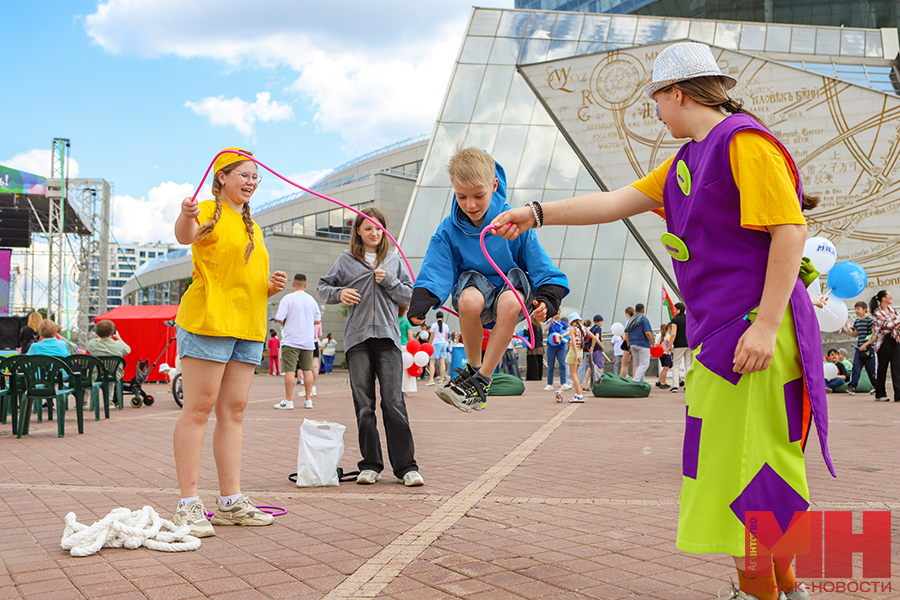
x: 440, y: 331
x: 617, y: 353
x: 298, y: 314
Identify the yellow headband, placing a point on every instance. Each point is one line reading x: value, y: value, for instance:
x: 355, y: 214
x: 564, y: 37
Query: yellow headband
x: 229, y: 158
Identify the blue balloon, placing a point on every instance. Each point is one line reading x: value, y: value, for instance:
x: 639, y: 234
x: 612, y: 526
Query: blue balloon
x: 847, y: 279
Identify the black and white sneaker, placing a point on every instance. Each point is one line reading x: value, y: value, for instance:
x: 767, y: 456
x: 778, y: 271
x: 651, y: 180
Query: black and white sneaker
x: 462, y: 373
x: 470, y: 394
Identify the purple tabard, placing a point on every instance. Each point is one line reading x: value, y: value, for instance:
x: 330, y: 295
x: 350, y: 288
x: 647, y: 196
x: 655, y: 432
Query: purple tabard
x: 723, y: 279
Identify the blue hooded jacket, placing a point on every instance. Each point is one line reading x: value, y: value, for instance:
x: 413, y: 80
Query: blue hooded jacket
x: 455, y: 248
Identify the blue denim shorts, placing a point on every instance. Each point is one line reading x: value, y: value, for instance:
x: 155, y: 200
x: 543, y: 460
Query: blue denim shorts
x: 217, y: 349
x: 440, y: 350
x: 477, y: 280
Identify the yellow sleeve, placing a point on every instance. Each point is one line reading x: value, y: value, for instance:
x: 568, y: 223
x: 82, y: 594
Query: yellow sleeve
x: 765, y: 180
x: 654, y: 182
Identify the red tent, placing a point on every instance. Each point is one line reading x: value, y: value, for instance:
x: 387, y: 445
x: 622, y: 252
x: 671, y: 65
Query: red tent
x: 144, y: 329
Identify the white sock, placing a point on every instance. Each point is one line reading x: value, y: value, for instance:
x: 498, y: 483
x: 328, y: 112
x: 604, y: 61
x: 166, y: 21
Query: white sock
x: 229, y: 500
x: 187, y: 501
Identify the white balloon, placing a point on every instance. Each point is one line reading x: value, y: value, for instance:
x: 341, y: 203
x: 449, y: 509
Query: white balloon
x: 617, y: 329
x: 831, y: 370
x: 407, y: 360
x: 821, y: 252
x: 833, y: 316
x: 420, y: 358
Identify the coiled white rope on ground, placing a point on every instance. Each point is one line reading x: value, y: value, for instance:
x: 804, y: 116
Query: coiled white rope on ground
x: 124, y: 528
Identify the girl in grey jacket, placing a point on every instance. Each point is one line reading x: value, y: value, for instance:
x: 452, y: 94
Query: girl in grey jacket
x: 373, y: 283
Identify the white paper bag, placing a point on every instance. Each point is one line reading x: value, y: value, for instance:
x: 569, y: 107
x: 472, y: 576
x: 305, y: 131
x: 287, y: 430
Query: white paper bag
x: 321, y: 449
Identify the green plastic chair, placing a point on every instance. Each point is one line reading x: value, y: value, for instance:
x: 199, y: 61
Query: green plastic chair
x: 7, y: 405
x: 92, y: 374
x: 44, y: 381
x: 112, y: 364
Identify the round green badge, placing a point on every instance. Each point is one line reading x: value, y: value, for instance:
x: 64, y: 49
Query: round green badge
x: 675, y: 246
x: 684, y: 177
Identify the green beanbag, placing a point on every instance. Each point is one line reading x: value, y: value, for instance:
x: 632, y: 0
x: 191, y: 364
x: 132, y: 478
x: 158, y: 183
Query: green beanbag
x: 616, y: 386
x: 503, y: 384
x: 863, y: 386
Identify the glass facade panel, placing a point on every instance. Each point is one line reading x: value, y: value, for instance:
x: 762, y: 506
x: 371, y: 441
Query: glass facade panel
x: 591, y: 47
x: 703, y: 31
x: 622, y: 30
x: 578, y: 273
x: 534, y: 164
x: 463, y: 93
x: 322, y: 224
x: 728, y: 35
x: 482, y: 136
x: 520, y: 197
x: 541, y: 25
x: 561, y: 49
x: 568, y: 27
x: 648, y: 31
x: 512, y: 24
x: 601, y: 293
x: 611, y: 239
x: 676, y: 30
x: 778, y: 39
x: 873, y: 45
x: 580, y: 242
x: 803, y: 40
x: 443, y: 144
x: 828, y: 41
x: 563, y: 166
x: 476, y: 50
x: 534, y: 50
x: 297, y: 227
x: 427, y: 213
x: 753, y: 37
x: 508, y: 149
x: 853, y: 42
x: 484, y: 22
x: 492, y: 98
x: 595, y: 29
x: 519, y: 103
x: 505, y: 51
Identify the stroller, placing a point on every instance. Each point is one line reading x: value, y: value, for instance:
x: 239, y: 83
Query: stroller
x: 139, y: 396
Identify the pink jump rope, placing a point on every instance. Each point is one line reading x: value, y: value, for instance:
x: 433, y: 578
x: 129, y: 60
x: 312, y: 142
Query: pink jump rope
x: 528, y: 343
x: 278, y: 510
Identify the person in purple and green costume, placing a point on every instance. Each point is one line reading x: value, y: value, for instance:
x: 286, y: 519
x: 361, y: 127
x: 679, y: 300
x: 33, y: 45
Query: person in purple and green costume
x: 732, y: 200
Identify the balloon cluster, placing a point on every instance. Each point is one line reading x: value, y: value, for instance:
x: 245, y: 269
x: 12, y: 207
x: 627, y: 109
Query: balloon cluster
x: 846, y: 279
x: 416, y: 357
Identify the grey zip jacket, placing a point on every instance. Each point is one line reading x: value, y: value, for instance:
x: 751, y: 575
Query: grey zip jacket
x: 377, y: 314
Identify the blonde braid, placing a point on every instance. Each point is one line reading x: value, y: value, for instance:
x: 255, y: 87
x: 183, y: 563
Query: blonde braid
x: 248, y: 223
x: 207, y: 227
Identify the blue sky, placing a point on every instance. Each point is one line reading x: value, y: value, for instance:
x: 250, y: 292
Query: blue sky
x: 149, y: 90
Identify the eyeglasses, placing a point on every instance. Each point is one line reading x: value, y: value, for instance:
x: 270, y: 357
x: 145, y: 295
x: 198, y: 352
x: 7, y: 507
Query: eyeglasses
x: 248, y: 177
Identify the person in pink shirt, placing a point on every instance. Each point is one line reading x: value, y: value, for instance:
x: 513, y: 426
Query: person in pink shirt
x: 274, y: 345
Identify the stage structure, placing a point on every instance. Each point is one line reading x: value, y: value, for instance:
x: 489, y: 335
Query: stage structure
x: 61, y: 207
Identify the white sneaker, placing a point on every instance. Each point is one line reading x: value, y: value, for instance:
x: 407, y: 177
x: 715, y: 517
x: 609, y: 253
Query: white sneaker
x: 548, y: 388
x: 285, y: 405
x: 368, y: 476
x: 307, y: 404
x: 565, y: 387
x: 412, y: 479
x: 313, y: 393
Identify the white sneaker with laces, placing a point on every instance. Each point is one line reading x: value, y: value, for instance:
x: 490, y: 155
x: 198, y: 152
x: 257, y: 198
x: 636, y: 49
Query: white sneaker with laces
x: 285, y: 405
x: 368, y: 476
x: 307, y: 404
x: 412, y: 479
x: 565, y: 387
x: 548, y: 388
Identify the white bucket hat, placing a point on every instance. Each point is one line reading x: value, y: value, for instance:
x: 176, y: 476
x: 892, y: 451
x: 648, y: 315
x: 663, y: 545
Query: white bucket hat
x: 682, y: 61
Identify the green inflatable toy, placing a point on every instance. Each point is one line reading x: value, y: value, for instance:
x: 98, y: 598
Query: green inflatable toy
x: 616, y: 386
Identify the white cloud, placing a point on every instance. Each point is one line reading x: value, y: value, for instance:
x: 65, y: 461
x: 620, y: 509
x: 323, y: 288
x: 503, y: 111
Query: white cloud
x: 240, y: 113
x: 374, y: 72
x: 37, y: 162
x: 150, y: 219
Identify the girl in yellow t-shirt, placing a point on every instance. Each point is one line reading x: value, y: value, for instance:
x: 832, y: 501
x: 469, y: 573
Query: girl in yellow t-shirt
x: 221, y: 327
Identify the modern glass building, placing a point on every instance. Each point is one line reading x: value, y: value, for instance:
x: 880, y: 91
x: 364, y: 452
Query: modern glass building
x: 850, y: 13
x: 490, y: 104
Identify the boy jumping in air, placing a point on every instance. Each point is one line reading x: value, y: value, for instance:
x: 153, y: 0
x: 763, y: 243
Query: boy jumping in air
x: 455, y: 266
